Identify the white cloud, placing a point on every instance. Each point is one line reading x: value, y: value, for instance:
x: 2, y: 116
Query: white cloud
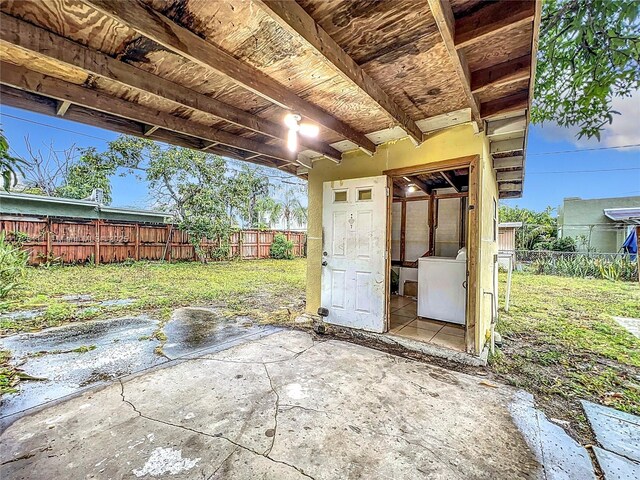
x: 624, y: 130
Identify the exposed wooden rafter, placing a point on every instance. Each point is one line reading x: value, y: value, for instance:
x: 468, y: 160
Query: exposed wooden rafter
x: 492, y: 19
x: 443, y: 15
x: 512, y: 103
x: 149, y: 129
x: 511, y: 176
x: 449, y: 179
x: 293, y: 18
x: 24, y: 79
x: 47, y: 106
x: 502, y: 74
x: 517, y: 161
x: 155, y: 26
x: 62, y: 108
x: 46, y: 44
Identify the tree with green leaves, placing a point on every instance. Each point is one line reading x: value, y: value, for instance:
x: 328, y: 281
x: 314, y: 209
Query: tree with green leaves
x: 10, y: 166
x: 537, y: 227
x: 589, y: 54
x: 69, y: 173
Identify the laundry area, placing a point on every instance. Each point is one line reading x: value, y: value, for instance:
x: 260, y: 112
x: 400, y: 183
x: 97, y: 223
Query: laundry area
x: 428, y: 285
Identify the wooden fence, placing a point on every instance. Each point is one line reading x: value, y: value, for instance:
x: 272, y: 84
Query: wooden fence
x: 78, y: 241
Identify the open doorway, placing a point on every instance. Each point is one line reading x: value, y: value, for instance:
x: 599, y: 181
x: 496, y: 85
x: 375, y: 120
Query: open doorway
x: 429, y: 235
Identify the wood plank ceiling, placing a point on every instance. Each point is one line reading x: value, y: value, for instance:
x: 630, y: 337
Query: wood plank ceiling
x: 220, y: 76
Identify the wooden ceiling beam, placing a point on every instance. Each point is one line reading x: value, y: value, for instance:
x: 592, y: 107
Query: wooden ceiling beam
x: 447, y: 176
x: 149, y: 129
x: 46, y: 44
x: 512, y: 103
x: 517, y: 161
x: 47, y: 106
x: 295, y: 20
x: 155, y: 26
x: 62, y: 108
x: 443, y: 15
x: 492, y: 19
x: 502, y: 74
x: 24, y: 79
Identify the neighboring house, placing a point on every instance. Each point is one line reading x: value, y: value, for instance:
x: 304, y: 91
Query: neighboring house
x: 23, y: 204
x: 425, y: 107
x: 598, y: 224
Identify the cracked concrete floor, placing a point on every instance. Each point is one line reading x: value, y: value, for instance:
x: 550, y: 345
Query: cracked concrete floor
x: 285, y: 406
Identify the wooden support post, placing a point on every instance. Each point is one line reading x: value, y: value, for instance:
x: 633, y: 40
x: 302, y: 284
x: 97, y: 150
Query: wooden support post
x: 403, y: 230
x: 137, y: 247
x: 258, y: 244
x: 96, y: 259
x: 432, y: 224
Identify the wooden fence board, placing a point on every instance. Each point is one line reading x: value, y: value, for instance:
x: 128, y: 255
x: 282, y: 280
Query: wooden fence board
x: 75, y: 241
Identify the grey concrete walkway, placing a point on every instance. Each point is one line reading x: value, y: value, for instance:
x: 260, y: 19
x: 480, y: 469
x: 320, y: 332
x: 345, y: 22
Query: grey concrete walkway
x: 286, y: 407
x: 618, y: 433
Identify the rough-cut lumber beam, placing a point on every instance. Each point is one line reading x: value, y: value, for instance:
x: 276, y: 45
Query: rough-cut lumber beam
x: 62, y: 108
x: 447, y: 176
x: 512, y: 103
x: 294, y: 19
x: 39, y: 104
x: 155, y: 26
x: 510, y: 187
x: 149, y: 129
x: 24, y: 79
x: 508, y: 162
x: 443, y: 15
x: 502, y: 74
x: 491, y: 20
x: 211, y: 145
x: 507, y: 126
x: 513, y: 176
x: 46, y: 44
x: 512, y: 145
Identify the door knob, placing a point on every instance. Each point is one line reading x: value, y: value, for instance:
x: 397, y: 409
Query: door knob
x: 324, y: 264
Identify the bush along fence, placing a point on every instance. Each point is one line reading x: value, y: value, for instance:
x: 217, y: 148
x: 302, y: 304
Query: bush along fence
x: 76, y: 241
x: 610, y: 266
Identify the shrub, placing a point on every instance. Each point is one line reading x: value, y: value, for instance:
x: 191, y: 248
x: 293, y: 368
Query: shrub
x: 616, y: 268
x: 281, y: 248
x: 13, y: 264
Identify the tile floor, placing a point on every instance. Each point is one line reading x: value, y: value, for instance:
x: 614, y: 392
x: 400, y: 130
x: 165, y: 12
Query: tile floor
x: 406, y: 323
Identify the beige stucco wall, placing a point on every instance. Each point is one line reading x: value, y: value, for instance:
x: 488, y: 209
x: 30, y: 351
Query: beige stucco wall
x: 451, y: 143
x: 488, y: 192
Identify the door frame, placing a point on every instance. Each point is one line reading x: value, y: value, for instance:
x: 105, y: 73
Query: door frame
x: 473, y: 234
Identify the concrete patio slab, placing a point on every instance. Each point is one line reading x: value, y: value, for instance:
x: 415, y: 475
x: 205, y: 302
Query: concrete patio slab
x: 616, y: 467
x: 617, y: 431
x: 287, y: 406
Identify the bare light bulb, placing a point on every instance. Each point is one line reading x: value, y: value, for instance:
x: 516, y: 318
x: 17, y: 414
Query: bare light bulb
x: 411, y: 188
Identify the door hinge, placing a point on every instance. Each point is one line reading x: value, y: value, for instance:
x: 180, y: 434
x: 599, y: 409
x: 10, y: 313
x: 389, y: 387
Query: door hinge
x: 387, y: 190
x: 385, y: 254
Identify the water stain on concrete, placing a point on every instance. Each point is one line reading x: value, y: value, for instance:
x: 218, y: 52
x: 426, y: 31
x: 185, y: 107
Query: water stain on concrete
x: 195, y: 328
x: 118, y: 352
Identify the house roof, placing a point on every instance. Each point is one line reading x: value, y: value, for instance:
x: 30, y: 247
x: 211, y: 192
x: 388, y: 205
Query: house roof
x: 510, y: 225
x: 624, y: 215
x: 220, y: 76
x: 43, y: 199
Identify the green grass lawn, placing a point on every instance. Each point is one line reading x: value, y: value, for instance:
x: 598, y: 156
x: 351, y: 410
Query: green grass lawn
x: 561, y: 343
x: 156, y: 287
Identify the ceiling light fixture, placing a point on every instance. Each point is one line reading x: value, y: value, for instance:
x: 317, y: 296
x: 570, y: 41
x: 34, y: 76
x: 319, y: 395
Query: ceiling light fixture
x: 411, y: 188
x: 292, y: 121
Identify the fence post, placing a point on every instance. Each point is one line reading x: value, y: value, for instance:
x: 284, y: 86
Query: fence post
x: 97, y: 243
x: 47, y: 238
x: 137, y: 246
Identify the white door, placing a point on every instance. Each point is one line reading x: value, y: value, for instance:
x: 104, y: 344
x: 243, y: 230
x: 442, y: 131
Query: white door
x: 354, y: 223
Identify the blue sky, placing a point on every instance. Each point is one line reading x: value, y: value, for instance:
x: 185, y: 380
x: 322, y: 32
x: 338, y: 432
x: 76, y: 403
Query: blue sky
x: 619, y: 173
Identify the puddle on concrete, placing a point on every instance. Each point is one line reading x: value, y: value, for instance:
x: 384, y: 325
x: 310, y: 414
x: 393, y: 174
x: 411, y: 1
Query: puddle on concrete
x: 21, y: 315
x: 118, y: 352
x: 196, y: 328
x: 122, y: 348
